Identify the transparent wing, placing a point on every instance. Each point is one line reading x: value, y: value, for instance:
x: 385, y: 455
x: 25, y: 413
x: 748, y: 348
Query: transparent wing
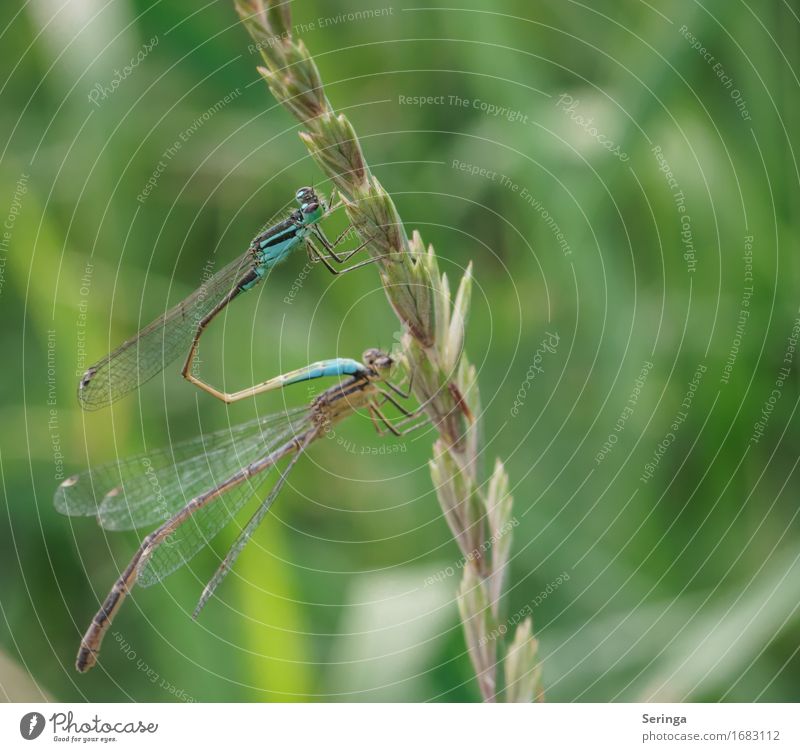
x: 160, y: 342
x: 149, y: 488
x: 243, y: 537
x: 197, y: 532
x: 199, y: 529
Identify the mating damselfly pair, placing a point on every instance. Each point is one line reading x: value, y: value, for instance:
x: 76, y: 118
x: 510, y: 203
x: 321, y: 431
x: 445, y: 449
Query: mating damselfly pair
x: 192, y: 490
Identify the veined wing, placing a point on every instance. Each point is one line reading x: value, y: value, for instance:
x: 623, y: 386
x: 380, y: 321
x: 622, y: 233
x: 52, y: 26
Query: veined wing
x: 248, y: 530
x: 216, y: 508
x: 160, y: 342
x: 149, y: 488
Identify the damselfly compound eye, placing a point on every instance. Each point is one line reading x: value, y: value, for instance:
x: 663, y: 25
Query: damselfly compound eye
x: 377, y: 359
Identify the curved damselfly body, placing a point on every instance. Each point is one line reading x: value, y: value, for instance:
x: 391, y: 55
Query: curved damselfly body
x: 192, y: 490
x: 179, y: 329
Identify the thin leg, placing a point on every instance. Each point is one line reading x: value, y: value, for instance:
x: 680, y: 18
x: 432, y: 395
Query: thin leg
x: 334, y: 202
x: 387, y: 397
x: 409, y: 417
x: 398, y: 391
x: 413, y: 428
x: 376, y: 413
x: 380, y: 431
x: 329, y: 246
x: 319, y: 256
x: 403, y: 395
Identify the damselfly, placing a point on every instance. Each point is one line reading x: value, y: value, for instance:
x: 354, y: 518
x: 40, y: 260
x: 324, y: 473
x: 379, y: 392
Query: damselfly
x: 217, y: 473
x: 179, y: 329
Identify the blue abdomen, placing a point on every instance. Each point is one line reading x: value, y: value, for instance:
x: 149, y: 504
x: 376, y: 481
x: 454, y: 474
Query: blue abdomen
x: 333, y: 367
x: 339, y: 367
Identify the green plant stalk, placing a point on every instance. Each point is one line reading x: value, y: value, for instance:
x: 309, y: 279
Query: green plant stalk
x: 433, y: 341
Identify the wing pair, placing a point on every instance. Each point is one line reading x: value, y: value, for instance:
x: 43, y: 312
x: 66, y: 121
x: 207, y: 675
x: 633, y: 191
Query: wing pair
x: 153, y: 487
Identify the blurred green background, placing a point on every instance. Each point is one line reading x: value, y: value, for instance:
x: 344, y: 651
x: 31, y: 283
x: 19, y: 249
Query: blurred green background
x: 683, y: 580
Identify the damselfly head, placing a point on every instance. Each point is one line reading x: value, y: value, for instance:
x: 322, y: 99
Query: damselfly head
x: 305, y: 194
x: 377, y: 360
x: 307, y: 197
x: 310, y: 205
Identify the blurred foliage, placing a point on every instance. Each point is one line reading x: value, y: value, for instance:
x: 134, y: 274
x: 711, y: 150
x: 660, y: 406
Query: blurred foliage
x: 681, y: 587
